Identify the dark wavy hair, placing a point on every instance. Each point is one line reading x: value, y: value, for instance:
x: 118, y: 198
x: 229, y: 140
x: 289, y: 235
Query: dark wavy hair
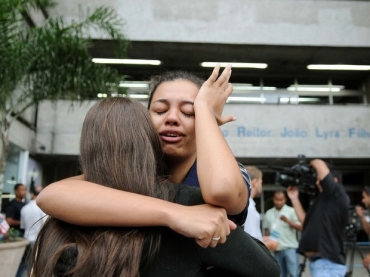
x: 169, y: 76
x: 119, y: 148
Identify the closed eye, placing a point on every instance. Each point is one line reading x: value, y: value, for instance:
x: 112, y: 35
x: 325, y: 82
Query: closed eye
x: 187, y: 115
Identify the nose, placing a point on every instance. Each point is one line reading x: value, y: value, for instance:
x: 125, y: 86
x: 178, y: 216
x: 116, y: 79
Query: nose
x: 172, y: 118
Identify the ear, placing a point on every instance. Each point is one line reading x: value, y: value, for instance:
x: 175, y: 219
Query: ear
x: 254, y: 182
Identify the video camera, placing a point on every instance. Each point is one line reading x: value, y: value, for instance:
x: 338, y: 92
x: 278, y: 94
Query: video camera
x: 354, y: 224
x: 300, y: 175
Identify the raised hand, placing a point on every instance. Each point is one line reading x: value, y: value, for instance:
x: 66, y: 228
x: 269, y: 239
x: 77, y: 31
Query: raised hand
x: 214, y: 93
x: 360, y: 211
x: 292, y: 192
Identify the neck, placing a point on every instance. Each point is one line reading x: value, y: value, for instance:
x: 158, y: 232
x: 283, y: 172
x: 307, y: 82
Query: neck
x: 18, y: 199
x: 253, y: 193
x: 178, y: 168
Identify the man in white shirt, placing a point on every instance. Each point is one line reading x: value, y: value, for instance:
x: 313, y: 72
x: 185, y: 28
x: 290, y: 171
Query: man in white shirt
x: 32, y: 218
x: 283, y: 223
x: 253, y: 223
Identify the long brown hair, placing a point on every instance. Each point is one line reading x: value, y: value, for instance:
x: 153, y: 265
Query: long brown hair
x: 119, y: 148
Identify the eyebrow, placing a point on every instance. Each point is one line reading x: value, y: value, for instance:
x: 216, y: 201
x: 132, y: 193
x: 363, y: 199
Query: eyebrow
x: 166, y: 101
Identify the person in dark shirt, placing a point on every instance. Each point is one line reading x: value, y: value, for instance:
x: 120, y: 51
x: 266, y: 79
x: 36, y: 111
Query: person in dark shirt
x: 13, y: 209
x: 322, y: 240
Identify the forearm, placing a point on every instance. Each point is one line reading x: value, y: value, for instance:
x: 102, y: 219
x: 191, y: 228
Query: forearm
x: 219, y: 175
x: 12, y: 222
x: 83, y: 203
x: 88, y: 204
x: 294, y: 225
x: 301, y: 214
x: 321, y: 168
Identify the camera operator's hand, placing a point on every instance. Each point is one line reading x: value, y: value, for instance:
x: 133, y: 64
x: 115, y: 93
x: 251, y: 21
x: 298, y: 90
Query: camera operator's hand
x: 292, y: 192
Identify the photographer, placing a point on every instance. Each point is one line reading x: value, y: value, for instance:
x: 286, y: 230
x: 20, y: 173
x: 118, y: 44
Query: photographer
x: 322, y: 235
x: 366, y: 225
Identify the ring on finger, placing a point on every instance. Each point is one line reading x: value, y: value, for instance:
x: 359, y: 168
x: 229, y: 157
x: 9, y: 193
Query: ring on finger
x: 216, y: 238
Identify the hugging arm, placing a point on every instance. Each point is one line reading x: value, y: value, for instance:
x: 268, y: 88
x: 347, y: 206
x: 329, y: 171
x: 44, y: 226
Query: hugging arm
x: 242, y: 256
x: 220, y: 179
x: 83, y: 203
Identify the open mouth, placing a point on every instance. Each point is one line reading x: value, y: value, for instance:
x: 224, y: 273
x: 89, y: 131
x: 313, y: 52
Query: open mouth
x: 171, y: 137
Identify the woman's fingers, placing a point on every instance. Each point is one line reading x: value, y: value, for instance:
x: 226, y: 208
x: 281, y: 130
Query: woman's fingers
x: 225, y: 119
x: 228, y: 90
x: 214, y: 75
x: 223, y: 80
x: 220, y: 235
x: 202, y: 222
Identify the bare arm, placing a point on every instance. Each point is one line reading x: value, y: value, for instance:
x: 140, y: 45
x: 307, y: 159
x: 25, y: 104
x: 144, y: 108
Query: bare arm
x: 292, y: 224
x: 321, y: 168
x: 293, y: 194
x: 219, y: 175
x: 12, y: 222
x: 271, y: 244
x: 83, y: 203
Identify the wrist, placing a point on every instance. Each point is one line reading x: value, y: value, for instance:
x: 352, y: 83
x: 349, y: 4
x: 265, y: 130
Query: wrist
x: 203, y: 109
x: 294, y: 200
x: 172, y: 215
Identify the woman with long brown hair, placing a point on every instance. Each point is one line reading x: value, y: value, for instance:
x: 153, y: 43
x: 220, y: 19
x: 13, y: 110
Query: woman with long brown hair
x: 119, y: 148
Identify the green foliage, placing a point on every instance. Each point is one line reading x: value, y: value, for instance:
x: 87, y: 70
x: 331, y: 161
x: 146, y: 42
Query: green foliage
x: 13, y: 234
x: 52, y: 61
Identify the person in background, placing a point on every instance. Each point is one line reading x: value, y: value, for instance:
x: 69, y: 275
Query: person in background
x: 253, y: 223
x: 120, y: 148
x: 361, y: 211
x: 322, y: 240
x: 283, y: 222
x: 32, y: 219
x: 4, y: 227
x: 365, y: 224
x: 13, y: 209
x: 186, y: 113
